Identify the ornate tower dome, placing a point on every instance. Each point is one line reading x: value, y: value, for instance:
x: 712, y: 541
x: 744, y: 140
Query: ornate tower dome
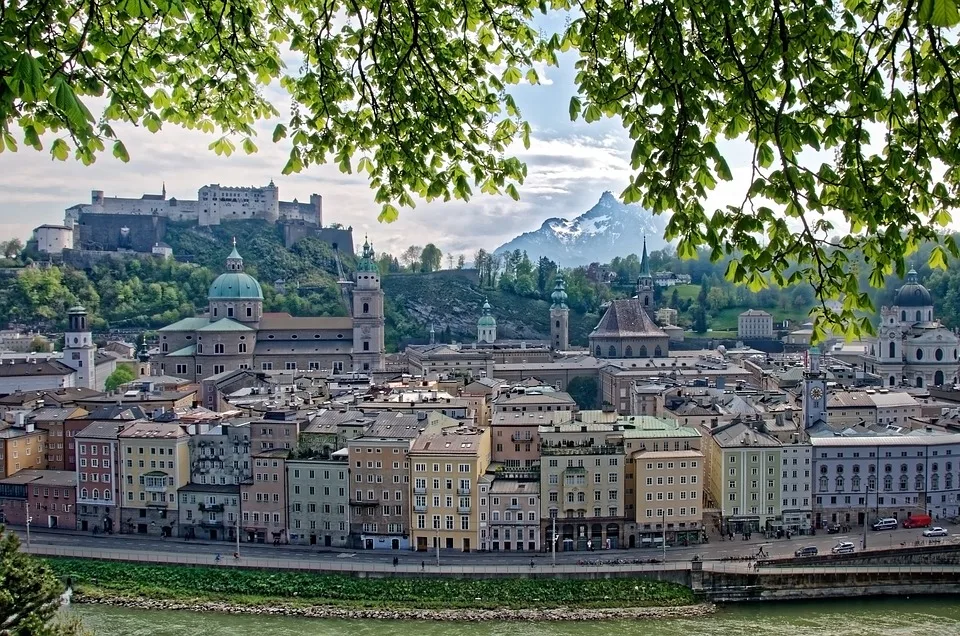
x: 486, y: 325
x: 913, y: 294
x: 235, y: 294
x: 559, y: 295
x: 367, y: 262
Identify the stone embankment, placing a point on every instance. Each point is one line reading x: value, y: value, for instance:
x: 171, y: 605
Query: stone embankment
x: 464, y: 615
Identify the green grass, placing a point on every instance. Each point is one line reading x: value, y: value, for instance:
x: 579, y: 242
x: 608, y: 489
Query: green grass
x: 686, y: 292
x: 258, y: 587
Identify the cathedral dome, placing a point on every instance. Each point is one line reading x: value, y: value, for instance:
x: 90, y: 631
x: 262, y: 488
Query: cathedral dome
x: 486, y: 320
x: 367, y: 262
x: 913, y: 294
x: 235, y: 284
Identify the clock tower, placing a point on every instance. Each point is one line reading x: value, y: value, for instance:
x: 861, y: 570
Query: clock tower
x: 814, y: 391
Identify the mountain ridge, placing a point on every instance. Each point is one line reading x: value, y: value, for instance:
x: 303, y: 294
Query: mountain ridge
x: 608, y: 229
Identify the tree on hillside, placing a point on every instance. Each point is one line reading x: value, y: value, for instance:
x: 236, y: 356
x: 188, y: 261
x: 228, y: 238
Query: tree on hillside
x: 29, y: 594
x: 411, y: 258
x: 430, y: 258
x: 120, y: 376
x: 12, y: 248
x: 461, y: 261
x: 699, y: 318
x: 847, y: 110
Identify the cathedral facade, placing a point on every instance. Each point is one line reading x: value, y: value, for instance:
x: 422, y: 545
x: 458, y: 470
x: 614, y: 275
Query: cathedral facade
x: 912, y: 348
x: 235, y: 333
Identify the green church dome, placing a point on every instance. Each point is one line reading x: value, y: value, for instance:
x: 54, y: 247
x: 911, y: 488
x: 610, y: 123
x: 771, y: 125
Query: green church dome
x: 367, y: 262
x: 486, y: 320
x: 234, y: 284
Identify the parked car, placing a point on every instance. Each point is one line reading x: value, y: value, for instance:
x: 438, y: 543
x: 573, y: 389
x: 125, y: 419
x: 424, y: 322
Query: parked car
x: 810, y: 550
x: 844, y: 547
x: 918, y: 521
x: 936, y: 532
x: 833, y: 529
x: 886, y: 524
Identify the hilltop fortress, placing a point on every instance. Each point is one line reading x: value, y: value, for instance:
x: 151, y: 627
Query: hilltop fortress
x: 126, y: 224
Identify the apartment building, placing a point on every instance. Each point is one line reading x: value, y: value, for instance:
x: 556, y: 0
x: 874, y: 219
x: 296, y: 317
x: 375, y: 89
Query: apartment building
x: 668, y: 497
x: 46, y: 497
x: 380, y: 499
x: 209, y: 511
x: 99, y: 487
x: 795, y: 478
x: 754, y: 324
x: 582, y: 484
x: 744, y: 477
x: 446, y: 466
x: 318, y: 491
x: 61, y: 424
x: 515, y: 437
x: 510, y: 512
x: 480, y: 394
x: 22, y: 448
x: 263, y: 499
x: 156, y: 463
x: 859, y: 479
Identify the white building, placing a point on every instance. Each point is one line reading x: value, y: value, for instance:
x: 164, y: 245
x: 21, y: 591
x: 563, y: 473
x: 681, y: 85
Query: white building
x: 912, y: 348
x: 754, y: 323
x: 214, y: 203
x: 53, y: 239
x: 865, y: 478
x: 795, y: 484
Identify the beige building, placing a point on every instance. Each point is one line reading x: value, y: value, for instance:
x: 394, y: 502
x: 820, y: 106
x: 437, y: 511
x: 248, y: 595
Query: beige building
x: 447, y: 464
x: 156, y: 463
x: 582, y: 484
x: 480, y: 394
x: 22, y: 448
x: 510, y: 512
x: 754, y: 324
x: 668, y: 496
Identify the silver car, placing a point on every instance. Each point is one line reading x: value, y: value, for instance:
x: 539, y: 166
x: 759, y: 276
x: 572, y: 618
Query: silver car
x: 844, y: 547
x: 936, y: 532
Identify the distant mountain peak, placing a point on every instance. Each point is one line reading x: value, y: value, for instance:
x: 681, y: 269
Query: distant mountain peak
x: 606, y: 230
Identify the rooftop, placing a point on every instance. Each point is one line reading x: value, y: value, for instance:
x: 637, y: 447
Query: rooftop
x: 30, y: 369
x: 438, y: 440
x: 153, y: 430
x: 55, y: 478
x: 108, y: 429
x: 684, y: 454
x: 280, y: 321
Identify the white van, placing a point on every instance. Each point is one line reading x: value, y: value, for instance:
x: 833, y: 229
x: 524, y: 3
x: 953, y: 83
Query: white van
x: 886, y: 524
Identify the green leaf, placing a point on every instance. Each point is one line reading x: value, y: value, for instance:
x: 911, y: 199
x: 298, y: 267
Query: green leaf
x: 120, y: 151
x: 60, y: 150
x: 279, y: 133
x: 940, y: 13
x: 512, y: 191
x: 938, y: 258
x: 248, y: 146
x: 764, y: 155
x: 532, y: 77
x: 388, y: 214
x: 512, y: 75
x: 575, y: 107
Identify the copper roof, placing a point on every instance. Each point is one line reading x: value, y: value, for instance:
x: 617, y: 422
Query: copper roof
x: 626, y: 319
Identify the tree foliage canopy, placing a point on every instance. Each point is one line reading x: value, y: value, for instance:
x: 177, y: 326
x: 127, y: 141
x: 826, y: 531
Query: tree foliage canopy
x: 120, y: 376
x: 850, y: 111
x: 29, y: 594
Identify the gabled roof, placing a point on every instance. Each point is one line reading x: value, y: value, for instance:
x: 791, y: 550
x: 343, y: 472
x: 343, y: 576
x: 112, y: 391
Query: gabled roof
x: 626, y: 318
x: 24, y: 369
x: 225, y: 324
x: 187, y: 324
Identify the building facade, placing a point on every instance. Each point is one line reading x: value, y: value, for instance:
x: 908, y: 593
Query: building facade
x: 754, y: 324
x: 99, y: 487
x: 318, y: 492
x: 156, y: 464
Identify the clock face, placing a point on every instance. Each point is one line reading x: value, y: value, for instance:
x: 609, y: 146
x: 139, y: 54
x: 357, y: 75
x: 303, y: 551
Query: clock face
x: 816, y: 393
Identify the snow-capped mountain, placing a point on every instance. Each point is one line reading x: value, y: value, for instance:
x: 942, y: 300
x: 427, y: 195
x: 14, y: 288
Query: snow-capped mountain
x: 606, y: 230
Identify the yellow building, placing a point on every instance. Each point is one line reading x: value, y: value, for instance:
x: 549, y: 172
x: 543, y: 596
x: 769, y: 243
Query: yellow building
x: 155, y: 463
x: 22, y: 449
x: 669, y: 492
x: 446, y: 464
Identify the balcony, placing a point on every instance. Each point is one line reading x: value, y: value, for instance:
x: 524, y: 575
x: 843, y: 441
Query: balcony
x: 605, y: 449
x: 524, y: 436
x: 211, y: 507
x: 365, y: 502
x: 155, y: 487
x: 464, y: 510
x: 157, y: 504
x: 531, y: 473
x: 419, y: 507
x: 463, y: 491
x: 514, y: 506
x: 420, y: 491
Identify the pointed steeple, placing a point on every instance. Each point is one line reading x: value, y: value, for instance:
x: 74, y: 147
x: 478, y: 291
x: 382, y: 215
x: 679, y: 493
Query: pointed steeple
x: 559, y: 295
x: 645, y: 262
x: 234, y: 260
x: 163, y: 192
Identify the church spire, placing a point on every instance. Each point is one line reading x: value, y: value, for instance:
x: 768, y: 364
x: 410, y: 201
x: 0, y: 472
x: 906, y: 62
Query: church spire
x: 163, y: 192
x: 645, y: 262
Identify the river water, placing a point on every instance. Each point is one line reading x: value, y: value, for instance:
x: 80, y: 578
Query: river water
x: 874, y: 617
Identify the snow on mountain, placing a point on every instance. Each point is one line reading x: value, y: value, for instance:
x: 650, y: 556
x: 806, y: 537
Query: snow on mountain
x: 606, y: 230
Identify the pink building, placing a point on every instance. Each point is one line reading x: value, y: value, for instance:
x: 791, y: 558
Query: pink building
x: 97, y: 454
x: 263, y: 499
x: 47, y: 497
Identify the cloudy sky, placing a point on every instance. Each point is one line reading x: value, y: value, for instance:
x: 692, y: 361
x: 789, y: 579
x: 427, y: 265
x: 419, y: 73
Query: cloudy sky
x: 570, y: 165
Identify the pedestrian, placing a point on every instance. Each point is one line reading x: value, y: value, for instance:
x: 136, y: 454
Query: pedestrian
x: 395, y: 561
x: 531, y: 563
x: 423, y: 565
x: 216, y: 559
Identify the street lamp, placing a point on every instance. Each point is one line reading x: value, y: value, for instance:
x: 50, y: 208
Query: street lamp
x: 438, y: 546
x: 29, y: 519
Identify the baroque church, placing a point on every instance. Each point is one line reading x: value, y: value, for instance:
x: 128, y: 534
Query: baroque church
x: 912, y: 349
x: 235, y: 333
x: 627, y: 329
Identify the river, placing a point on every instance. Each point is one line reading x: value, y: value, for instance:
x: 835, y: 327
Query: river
x: 873, y: 617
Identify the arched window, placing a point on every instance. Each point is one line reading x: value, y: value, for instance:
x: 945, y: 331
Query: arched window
x: 366, y: 308
x: 83, y: 493
x: 658, y: 352
x: 628, y: 352
x: 839, y: 484
x: 938, y: 354
x: 839, y: 470
x: 918, y: 483
x: 903, y: 316
x: 558, y: 324
x: 935, y: 467
x: 96, y: 493
x: 598, y: 352
x: 612, y: 351
x: 948, y: 481
x: 888, y: 468
x: 107, y: 495
x: 823, y: 484
x: 919, y: 354
x: 643, y: 351
x: 823, y: 470
x: 904, y: 468
x: 938, y: 377
x: 904, y: 482
x: 919, y: 382
x: 872, y: 469
x: 888, y: 483
x: 218, y: 348
x: 893, y: 381
x: 893, y: 349
x: 242, y: 347
x: 855, y: 482
x: 918, y: 316
x: 949, y: 466
x: 646, y: 301
x: 934, y: 481
x: 199, y: 348
x: 856, y: 469
x: 919, y: 467
x: 872, y: 482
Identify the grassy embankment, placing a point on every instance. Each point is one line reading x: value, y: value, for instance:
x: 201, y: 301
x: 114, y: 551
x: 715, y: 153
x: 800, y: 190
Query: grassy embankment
x: 270, y: 587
